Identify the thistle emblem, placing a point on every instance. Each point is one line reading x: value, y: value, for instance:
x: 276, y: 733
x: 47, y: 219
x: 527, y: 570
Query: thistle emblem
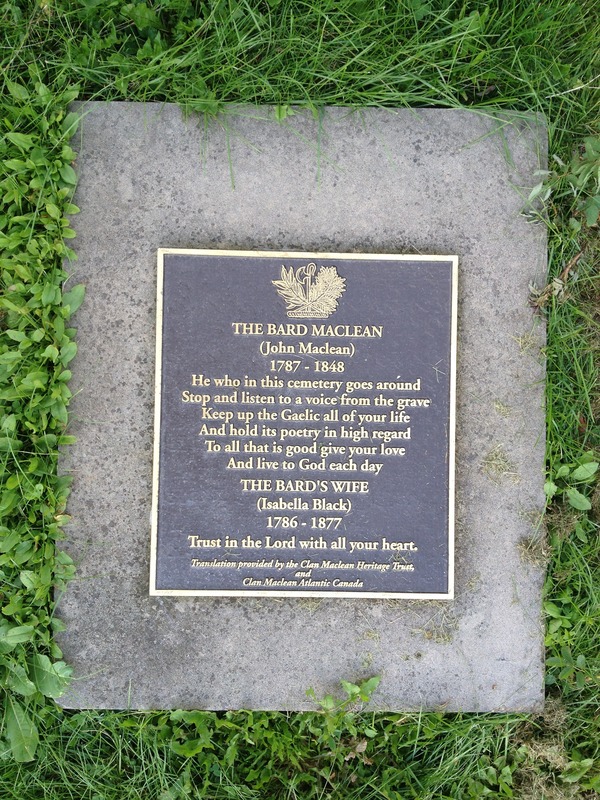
x: 308, y: 293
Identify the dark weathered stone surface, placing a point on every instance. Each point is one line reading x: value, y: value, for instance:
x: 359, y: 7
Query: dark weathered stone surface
x: 378, y: 181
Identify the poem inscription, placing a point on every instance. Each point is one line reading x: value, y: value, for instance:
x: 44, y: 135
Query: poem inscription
x: 304, y: 424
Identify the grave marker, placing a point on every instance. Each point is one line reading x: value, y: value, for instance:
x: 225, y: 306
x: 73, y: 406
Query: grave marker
x: 385, y: 181
x: 312, y: 457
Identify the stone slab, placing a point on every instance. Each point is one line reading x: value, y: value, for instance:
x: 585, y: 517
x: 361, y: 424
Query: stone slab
x: 393, y: 181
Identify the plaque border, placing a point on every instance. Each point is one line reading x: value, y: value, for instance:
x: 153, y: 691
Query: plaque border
x: 313, y: 255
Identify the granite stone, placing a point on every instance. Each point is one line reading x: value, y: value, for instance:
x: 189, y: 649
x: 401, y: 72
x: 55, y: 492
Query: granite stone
x: 379, y: 180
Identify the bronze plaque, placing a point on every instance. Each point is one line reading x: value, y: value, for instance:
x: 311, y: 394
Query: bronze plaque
x: 304, y: 432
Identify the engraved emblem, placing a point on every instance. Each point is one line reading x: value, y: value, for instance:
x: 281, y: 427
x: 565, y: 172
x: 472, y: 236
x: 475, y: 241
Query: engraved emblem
x: 308, y: 293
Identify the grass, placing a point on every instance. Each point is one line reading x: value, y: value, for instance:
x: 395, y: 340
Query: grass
x: 519, y: 55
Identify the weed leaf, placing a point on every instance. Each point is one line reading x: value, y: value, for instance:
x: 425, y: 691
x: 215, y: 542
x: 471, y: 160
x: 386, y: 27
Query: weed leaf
x: 24, y: 141
x: 576, y: 770
x: 53, y: 210
x: 368, y: 687
x: 19, y: 682
x: 68, y: 174
x: 585, y: 471
x: 17, y: 90
x: 11, y: 637
x: 50, y: 679
x: 67, y: 353
x: 577, y: 500
x: 70, y: 124
x: 74, y: 298
x: 20, y: 731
